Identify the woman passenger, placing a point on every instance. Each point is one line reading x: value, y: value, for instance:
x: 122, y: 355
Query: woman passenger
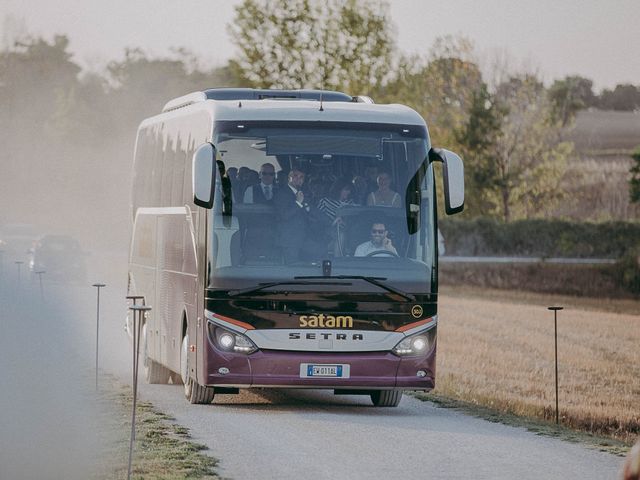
x: 384, y: 196
x: 340, y: 195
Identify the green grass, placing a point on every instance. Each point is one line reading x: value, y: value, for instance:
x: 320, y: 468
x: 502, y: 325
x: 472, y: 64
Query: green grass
x: 162, y: 450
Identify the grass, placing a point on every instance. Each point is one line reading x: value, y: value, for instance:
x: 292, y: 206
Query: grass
x: 162, y: 451
x: 535, y: 425
x: 496, y: 351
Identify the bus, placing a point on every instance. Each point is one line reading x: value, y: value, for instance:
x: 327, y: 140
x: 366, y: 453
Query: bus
x: 327, y: 279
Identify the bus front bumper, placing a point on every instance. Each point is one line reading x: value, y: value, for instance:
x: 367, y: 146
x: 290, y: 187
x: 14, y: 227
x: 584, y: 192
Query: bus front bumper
x: 360, y: 370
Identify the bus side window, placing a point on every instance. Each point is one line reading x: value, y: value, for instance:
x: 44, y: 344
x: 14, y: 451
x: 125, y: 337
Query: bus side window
x: 179, y: 162
x: 168, y: 163
x: 144, y: 241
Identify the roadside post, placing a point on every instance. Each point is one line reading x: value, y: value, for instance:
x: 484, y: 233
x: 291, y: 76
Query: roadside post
x: 139, y: 311
x: 19, y: 264
x: 134, y: 300
x: 555, y: 335
x: 98, y: 286
x: 40, y: 273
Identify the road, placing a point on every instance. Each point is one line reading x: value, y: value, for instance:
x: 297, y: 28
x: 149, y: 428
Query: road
x: 314, y: 435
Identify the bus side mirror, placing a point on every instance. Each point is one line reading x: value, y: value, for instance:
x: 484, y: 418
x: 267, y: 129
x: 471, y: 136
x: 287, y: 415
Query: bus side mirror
x: 453, y: 179
x: 204, y: 175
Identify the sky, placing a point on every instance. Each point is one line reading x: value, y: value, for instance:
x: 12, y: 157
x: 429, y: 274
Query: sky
x: 598, y: 39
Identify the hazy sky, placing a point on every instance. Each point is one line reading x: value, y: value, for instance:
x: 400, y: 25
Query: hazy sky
x: 599, y: 39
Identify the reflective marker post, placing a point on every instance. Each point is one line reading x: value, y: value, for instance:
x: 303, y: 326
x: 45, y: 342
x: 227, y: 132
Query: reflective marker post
x: 134, y: 300
x: 19, y: 264
x: 40, y: 273
x: 136, y: 342
x: 98, y: 286
x: 138, y: 314
x: 555, y: 330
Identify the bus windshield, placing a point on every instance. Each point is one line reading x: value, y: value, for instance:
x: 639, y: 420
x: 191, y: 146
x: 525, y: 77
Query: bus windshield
x: 341, y: 207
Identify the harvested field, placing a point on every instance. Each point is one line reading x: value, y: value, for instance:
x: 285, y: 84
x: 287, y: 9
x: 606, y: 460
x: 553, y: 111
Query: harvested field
x: 605, y: 130
x: 499, y: 352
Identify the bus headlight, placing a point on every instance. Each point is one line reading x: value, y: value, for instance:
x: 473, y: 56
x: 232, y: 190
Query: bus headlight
x: 230, y: 341
x: 417, y: 344
x: 226, y: 341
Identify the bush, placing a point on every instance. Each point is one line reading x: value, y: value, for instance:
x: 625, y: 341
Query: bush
x: 629, y: 270
x: 539, y: 238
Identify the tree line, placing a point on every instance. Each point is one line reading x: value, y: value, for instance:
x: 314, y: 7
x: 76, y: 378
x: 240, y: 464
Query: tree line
x: 512, y: 132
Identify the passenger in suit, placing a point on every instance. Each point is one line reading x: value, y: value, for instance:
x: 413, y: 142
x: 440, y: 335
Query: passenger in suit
x: 294, y: 219
x: 264, y: 191
x: 259, y: 229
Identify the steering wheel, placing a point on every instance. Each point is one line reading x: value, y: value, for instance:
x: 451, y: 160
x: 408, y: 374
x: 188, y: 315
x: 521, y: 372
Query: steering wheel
x: 388, y: 253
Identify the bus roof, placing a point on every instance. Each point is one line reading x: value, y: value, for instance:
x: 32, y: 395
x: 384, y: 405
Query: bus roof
x: 245, y: 104
x: 309, y: 110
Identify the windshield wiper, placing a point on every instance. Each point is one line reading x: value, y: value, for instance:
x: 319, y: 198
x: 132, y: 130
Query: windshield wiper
x: 377, y: 281
x: 262, y: 286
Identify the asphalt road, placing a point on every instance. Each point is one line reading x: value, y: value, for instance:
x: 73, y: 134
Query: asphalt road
x: 293, y: 434
x: 312, y: 434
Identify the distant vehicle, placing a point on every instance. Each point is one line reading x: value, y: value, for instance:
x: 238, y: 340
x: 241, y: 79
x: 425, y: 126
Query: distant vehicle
x: 60, y: 256
x: 16, y: 241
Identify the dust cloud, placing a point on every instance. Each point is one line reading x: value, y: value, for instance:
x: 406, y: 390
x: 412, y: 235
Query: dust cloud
x: 66, y: 169
x: 51, y: 420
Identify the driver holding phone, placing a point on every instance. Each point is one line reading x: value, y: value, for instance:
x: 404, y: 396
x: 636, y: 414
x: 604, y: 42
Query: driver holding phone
x: 379, y: 243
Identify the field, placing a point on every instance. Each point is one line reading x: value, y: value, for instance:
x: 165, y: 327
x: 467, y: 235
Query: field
x: 596, y: 183
x: 602, y: 130
x: 496, y: 349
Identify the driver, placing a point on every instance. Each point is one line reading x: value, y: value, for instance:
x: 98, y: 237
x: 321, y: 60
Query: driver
x: 378, y: 243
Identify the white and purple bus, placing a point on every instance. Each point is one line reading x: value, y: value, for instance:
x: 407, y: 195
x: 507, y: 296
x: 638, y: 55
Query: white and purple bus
x: 288, y: 239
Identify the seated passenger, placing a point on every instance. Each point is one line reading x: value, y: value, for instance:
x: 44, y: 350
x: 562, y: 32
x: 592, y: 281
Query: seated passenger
x: 246, y: 178
x: 263, y: 191
x: 378, y: 243
x: 339, y: 196
x: 384, y: 196
x: 360, y: 192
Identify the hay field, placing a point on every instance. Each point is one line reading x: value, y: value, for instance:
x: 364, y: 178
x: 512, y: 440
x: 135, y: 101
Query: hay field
x: 499, y: 352
x: 606, y: 130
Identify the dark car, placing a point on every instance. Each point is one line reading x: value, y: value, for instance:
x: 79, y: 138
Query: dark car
x: 60, y: 256
x: 16, y: 241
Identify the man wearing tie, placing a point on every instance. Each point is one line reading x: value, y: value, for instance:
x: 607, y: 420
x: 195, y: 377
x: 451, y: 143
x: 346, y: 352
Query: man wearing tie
x: 292, y: 212
x: 263, y: 191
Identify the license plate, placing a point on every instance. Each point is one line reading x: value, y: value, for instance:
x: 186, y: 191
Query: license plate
x: 324, y: 370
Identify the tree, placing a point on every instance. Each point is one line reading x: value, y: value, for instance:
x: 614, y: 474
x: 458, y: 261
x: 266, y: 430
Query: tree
x: 530, y: 160
x: 623, y: 98
x: 634, y: 181
x: 342, y: 45
x: 141, y: 85
x: 569, y: 95
x: 478, y: 143
x: 440, y: 87
x: 24, y: 69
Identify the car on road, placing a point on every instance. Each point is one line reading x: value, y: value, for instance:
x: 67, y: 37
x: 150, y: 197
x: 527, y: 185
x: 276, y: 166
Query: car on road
x: 16, y: 240
x: 60, y: 256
